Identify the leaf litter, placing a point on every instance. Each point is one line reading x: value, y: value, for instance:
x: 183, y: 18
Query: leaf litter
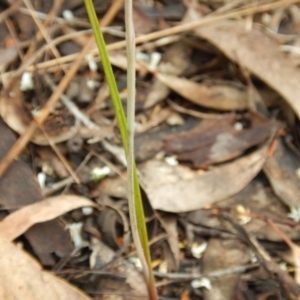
x: 217, y: 150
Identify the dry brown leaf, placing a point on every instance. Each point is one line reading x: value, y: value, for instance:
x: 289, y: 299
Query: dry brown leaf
x: 134, y: 283
x: 216, y: 96
x: 14, y: 115
x: 169, y: 223
x: 180, y: 189
x: 7, y: 56
x: 23, y: 278
x: 19, y: 188
x: 296, y: 257
x: 18, y: 222
x: 214, y: 141
x: 260, y: 54
x: 175, y: 61
x: 280, y: 168
x: 234, y: 253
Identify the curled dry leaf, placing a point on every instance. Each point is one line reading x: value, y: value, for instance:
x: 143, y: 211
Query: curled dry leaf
x: 23, y: 278
x: 180, y: 189
x: 280, y: 168
x: 175, y: 61
x: 169, y: 223
x: 18, y: 222
x: 216, y: 96
x: 234, y: 253
x: 260, y: 54
x: 215, y: 141
x: 14, y: 115
x: 133, y: 283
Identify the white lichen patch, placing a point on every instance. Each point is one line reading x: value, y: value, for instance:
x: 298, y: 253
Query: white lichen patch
x: 26, y: 83
x: 294, y: 214
x: 198, y: 249
x: 75, y: 233
x: 201, y: 283
x: 99, y: 173
x: 171, y: 160
x: 68, y: 15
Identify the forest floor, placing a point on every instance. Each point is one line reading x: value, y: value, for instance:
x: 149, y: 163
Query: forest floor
x: 217, y: 147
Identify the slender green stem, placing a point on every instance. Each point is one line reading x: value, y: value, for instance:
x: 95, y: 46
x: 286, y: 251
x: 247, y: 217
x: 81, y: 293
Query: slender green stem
x: 130, y: 48
x: 137, y: 217
x: 139, y: 233
x: 118, y: 108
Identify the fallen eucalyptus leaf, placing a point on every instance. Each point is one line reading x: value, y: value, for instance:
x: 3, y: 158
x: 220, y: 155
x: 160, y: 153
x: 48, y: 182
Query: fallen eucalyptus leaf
x: 180, y: 189
x: 19, y: 221
x: 216, y: 96
x: 22, y: 277
x: 260, y: 54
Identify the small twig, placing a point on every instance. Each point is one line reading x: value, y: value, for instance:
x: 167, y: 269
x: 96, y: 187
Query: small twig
x: 42, y: 30
x: 193, y: 113
x: 213, y: 274
x: 108, y: 163
x: 74, y: 110
x: 280, y: 233
x: 61, y: 157
x: 111, y: 13
x: 67, y: 181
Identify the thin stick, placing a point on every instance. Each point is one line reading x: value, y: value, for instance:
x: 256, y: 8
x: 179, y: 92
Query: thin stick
x: 71, y: 106
x: 111, y: 13
x: 41, y: 27
x: 172, y: 31
x: 61, y: 157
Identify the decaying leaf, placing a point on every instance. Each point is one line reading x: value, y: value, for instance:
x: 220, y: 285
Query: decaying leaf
x: 169, y: 223
x: 16, y: 118
x: 19, y: 188
x: 134, y: 283
x: 234, y: 253
x: 23, y: 278
x: 280, y: 168
x: 216, y: 96
x: 175, y: 61
x: 19, y: 221
x: 260, y: 54
x: 215, y: 141
x: 180, y: 189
